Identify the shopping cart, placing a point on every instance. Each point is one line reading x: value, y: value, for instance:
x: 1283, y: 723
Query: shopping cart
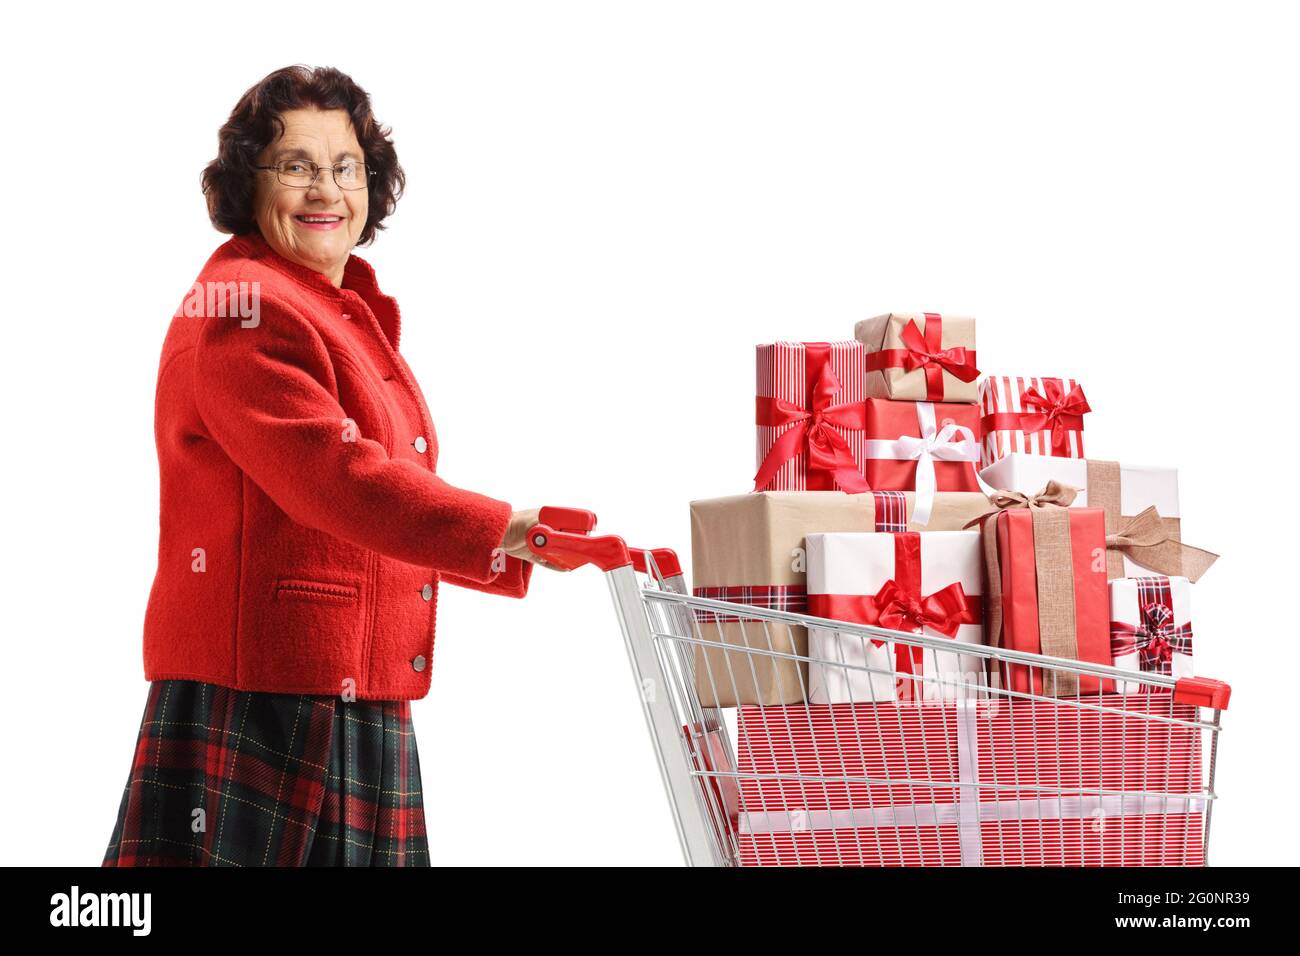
x: 987, y: 769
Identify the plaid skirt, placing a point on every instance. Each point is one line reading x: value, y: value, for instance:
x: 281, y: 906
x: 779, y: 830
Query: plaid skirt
x: 223, y: 777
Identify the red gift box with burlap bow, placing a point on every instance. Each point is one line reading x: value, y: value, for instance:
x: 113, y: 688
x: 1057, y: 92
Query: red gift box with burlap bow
x: 1047, y: 592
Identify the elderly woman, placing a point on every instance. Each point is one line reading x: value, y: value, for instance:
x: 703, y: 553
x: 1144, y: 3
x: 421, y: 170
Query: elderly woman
x: 303, y: 529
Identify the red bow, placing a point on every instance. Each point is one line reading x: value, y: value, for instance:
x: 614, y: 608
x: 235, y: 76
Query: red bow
x: 1155, y: 639
x: 925, y: 350
x: 1057, y: 412
x: 942, y: 611
x: 896, y: 608
x: 828, y: 452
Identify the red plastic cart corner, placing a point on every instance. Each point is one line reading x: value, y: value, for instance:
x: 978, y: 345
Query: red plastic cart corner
x: 1203, y: 692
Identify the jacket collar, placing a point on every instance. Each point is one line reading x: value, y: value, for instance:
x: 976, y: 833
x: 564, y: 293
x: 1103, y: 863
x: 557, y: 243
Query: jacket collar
x: 358, y: 277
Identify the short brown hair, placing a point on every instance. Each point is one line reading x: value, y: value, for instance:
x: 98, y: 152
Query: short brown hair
x: 255, y: 123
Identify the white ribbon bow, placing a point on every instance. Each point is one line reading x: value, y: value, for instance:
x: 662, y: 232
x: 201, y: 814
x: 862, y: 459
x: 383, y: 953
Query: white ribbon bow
x: 953, y: 442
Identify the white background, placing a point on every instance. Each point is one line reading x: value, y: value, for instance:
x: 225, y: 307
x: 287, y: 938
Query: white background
x: 609, y: 205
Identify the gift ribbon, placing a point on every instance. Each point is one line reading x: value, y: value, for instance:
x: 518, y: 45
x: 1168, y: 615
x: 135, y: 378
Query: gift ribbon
x: 952, y: 442
x: 900, y: 606
x: 1155, y: 638
x: 815, y: 427
x: 1079, y: 809
x: 1054, y: 571
x: 1105, y: 492
x: 774, y: 597
x: 1056, y: 412
x: 1055, y: 494
x: 1146, y: 540
x: 895, y: 608
x: 891, y: 510
x: 924, y: 350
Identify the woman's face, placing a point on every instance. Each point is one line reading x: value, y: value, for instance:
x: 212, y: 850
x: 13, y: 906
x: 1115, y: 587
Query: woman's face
x: 326, y: 138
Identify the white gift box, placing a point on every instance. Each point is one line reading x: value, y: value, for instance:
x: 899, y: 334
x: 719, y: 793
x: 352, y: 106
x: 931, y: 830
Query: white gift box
x: 1149, y: 614
x: 860, y: 564
x: 1140, y: 486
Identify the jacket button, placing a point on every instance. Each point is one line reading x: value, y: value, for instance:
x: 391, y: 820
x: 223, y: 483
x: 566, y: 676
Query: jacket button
x: 418, y: 663
x: 420, y: 444
x: 426, y: 592
x: 345, y: 316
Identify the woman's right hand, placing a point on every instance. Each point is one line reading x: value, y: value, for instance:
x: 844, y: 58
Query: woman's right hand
x: 515, y: 542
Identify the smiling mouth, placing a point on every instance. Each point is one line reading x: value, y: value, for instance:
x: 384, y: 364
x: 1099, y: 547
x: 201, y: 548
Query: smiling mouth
x: 318, y: 219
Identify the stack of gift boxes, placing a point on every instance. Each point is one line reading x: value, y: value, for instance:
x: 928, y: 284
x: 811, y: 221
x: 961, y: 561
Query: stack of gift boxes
x: 898, y: 487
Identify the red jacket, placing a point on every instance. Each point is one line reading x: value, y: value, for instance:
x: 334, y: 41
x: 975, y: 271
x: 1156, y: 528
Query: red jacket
x: 303, y: 531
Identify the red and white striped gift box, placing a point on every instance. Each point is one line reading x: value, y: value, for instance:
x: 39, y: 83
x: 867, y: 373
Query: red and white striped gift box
x: 787, y: 372
x: 1003, y: 398
x: 991, y: 782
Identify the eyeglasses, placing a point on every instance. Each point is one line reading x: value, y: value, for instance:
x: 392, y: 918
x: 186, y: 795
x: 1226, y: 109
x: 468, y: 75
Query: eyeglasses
x: 302, y: 173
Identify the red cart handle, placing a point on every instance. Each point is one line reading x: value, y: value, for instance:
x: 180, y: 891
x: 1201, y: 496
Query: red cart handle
x: 562, y: 537
x: 1203, y: 692
x: 665, y: 560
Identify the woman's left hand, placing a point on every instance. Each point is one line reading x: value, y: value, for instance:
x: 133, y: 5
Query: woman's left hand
x: 515, y: 542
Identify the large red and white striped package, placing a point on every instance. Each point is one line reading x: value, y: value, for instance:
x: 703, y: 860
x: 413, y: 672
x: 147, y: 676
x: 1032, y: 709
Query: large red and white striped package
x: 997, y: 782
x: 810, y: 416
x: 1035, y: 416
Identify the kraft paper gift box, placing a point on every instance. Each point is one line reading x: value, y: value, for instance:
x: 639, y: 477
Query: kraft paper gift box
x: 1006, y: 782
x: 809, y: 415
x: 1046, y: 583
x: 924, y: 447
x: 920, y: 357
x: 1124, y: 492
x: 922, y: 582
x: 1151, y: 627
x: 1037, y: 416
x: 749, y: 549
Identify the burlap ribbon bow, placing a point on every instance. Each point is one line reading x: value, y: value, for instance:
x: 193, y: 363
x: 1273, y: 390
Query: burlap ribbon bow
x: 1147, y: 541
x: 1054, y: 494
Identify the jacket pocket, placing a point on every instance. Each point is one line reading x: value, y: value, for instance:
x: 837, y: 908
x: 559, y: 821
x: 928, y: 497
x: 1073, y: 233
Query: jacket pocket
x: 321, y: 592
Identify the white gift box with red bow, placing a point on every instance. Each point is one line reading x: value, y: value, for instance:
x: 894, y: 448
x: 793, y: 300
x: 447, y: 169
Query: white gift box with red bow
x: 927, y: 582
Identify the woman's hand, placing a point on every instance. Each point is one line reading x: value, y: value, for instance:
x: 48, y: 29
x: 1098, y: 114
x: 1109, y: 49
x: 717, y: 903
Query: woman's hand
x: 515, y: 543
